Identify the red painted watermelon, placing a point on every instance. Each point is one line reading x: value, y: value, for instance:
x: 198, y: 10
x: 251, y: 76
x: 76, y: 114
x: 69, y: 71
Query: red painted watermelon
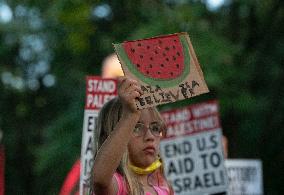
x: 162, y: 61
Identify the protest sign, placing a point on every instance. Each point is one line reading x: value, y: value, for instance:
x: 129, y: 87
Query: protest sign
x: 98, y: 92
x: 192, y: 151
x: 245, y: 176
x: 166, y: 67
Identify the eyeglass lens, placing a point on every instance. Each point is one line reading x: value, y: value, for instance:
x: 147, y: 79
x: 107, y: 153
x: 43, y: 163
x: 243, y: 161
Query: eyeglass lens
x: 155, y: 128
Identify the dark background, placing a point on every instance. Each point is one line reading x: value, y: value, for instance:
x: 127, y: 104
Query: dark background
x: 48, y: 47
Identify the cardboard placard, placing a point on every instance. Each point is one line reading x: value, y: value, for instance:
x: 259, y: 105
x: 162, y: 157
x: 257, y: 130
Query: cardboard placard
x: 166, y: 67
x: 192, y: 151
x: 245, y: 176
x: 98, y: 92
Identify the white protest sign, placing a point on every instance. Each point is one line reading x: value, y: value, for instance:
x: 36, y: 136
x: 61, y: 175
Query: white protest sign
x: 245, y: 176
x: 98, y: 92
x: 192, y: 152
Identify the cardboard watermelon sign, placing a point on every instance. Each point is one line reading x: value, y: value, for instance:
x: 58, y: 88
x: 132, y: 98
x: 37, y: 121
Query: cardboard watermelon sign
x: 98, y: 92
x: 192, y: 150
x: 166, y: 67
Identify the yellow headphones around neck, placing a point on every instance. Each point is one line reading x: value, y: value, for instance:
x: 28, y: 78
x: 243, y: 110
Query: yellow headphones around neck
x: 144, y: 171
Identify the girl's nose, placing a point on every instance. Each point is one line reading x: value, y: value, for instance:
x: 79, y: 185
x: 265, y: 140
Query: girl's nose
x: 148, y: 136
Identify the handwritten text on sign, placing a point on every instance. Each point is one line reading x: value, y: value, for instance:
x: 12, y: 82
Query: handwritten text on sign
x: 165, y: 66
x: 194, y: 162
x: 156, y: 95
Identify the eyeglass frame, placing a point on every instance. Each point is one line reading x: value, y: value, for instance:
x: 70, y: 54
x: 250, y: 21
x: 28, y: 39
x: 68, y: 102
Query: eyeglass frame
x: 161, y: 129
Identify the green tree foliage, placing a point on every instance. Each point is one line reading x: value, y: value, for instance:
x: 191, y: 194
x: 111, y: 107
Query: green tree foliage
x: 48, y: 48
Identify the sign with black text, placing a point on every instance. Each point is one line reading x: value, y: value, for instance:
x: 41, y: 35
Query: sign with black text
x: 165, y: 66
x: 98, y: 92
x: 192, y: 151
x: 245, y: 176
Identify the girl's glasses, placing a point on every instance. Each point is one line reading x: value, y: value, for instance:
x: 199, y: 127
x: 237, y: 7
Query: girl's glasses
x: 156, y: 129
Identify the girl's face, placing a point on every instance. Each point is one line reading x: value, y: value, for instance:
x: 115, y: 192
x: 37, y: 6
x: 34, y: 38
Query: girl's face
x: 144, y: 145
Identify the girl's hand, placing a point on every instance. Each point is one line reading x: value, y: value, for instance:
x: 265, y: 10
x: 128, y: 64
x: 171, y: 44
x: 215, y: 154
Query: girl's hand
x: 128, y: 90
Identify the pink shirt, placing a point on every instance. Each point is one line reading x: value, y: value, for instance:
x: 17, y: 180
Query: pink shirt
x: 122, y: 190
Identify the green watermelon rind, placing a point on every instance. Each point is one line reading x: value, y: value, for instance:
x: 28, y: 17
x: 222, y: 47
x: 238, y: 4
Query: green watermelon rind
x: 160, y: 82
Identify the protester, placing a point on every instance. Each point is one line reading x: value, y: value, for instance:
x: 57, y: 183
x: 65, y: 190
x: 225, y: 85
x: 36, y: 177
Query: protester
x: 72, y: 181
x: 111, y: 68
x: 225, y: 146
x: 128, y: 161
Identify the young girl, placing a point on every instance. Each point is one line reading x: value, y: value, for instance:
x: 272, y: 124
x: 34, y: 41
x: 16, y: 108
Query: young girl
x: 127, y: 161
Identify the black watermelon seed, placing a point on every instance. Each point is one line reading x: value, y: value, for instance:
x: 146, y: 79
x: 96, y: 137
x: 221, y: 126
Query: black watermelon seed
x: 174, y: 47
x: 148, y: 47
x: 132, y: 50
x: 141, y: 56
x: 138, y: 65
x: 162, y: 65
x: 158, y: 72
x: 160, y: 42
x: 167, y: 48
x: 147, y: 72
x: 172, y: 73
x: 167, y: 59
x: 177, y: 65
x: 178, y: 53
x: 174, y: 58
x: 175, y: 40
x: 156, y: 52
x: 139, y: 44
x: 151, y: 58
x: 151, y: 66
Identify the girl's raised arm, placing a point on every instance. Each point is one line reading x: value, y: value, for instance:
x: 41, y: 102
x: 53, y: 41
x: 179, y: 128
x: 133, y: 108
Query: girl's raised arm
x: 110, y: 153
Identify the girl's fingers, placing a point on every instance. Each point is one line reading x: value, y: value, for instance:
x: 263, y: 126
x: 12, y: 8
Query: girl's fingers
x: 130, y: 96
x: 121, y: 82
x: 133, y: 94
x: 130, y: 100
x: 130, y: 82
x: 125, y: 84
x: 128, y: 91
x: 135, y: 88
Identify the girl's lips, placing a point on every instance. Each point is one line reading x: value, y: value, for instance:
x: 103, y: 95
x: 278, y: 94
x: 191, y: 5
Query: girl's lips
x: 149, y: 149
